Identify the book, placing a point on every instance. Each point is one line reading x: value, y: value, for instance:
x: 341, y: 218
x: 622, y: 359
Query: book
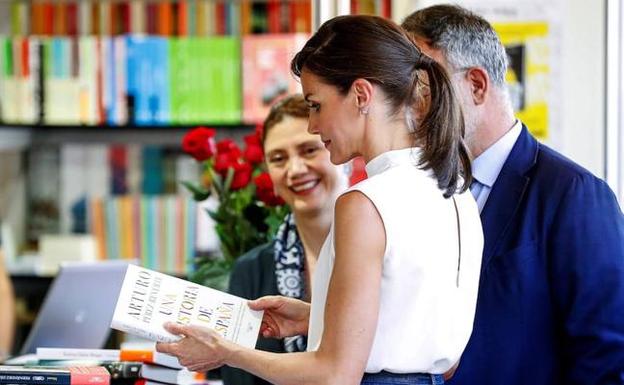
x: 148, y: 299
x: 170, y: 376
x: 79, y: 375
x: 113, y: 355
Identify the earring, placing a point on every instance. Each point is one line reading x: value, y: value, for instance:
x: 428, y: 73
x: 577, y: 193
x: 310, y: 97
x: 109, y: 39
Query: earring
x: 363, y: 111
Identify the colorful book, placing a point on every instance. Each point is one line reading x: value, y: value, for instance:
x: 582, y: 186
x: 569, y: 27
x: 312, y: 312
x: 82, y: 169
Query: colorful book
x: 205, y: 80
x: 79, y: 375
x: 148, y: 299
x: 266, y: 72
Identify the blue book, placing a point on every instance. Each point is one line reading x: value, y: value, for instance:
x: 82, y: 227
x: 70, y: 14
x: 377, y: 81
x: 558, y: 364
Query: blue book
x: 148, y: 80
x: 153, y: 179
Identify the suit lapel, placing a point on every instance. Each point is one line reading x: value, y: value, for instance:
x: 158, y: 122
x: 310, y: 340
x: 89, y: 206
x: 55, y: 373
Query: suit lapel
x: 507, y: 193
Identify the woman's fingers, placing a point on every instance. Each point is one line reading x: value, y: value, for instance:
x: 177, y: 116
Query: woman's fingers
x: 163, y: 347
x: 174, y: 328
x: 264, y: 303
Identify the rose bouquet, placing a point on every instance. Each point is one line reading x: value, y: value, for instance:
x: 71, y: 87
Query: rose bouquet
x: 248, y: 212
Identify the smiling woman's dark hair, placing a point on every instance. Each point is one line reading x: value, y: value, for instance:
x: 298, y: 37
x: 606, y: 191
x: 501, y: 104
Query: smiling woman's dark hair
x: 351, y: 47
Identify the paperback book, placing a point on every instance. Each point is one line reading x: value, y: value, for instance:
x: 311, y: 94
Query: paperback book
x: 57, y: 376
x: 108, y: 355
x: 148, y: 299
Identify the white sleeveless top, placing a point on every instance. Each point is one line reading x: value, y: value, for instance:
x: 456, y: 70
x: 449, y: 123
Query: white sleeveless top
x: 425, y: 318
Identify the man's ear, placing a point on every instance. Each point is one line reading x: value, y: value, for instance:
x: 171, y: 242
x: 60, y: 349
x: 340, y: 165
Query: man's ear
x: 479, y: 82
x: 363, y: 91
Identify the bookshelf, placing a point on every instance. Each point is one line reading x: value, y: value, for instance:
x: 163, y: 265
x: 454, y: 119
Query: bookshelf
x: 91, y: 84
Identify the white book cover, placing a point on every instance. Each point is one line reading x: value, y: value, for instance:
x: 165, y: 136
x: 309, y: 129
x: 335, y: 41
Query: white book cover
x: 170, y: 376
x: 134, y: 355
x: 77, y: 354
x: 148, y: 299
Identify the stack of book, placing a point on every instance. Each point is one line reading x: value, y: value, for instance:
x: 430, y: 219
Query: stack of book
x: 74, y: 375
x: 126, y: 367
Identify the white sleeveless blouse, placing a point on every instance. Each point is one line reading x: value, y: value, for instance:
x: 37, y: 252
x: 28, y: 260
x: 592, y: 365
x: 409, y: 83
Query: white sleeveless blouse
x: 425, y: 318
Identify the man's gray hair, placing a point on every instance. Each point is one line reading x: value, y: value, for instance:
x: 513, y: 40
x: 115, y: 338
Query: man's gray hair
x: 465, y: 38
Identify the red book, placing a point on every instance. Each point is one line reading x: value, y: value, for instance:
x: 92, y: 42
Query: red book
x: 386, y: 8
x: 152, y: 18
x: 48, y: 18
x: 81, y: 375
x: 182, y: 18
x: 123, y: 9
x: 72, y: 19
x: 25, y: 70
x: 165, y: 23
x: 273, y: 11
x: 85, y: 375
x: 220, y: 18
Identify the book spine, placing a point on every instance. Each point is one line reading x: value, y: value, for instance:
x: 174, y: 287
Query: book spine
x: 28, y: 378
x: 77, y: 354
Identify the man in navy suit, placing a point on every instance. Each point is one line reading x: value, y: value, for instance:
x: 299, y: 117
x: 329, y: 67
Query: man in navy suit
x: 551, y: 297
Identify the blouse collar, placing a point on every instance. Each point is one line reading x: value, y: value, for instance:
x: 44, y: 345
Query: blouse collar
x: 393, y: 158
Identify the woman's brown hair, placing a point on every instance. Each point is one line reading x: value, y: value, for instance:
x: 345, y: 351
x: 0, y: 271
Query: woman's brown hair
x: 352, y: 47
x: 292, y: 105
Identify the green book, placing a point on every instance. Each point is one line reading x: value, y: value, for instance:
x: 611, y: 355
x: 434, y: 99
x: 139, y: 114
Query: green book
x: 7, y: 57
x: 205, y: 80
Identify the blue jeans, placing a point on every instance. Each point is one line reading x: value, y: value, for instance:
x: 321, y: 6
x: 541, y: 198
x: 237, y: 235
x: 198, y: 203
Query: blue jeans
x: 383, y: 378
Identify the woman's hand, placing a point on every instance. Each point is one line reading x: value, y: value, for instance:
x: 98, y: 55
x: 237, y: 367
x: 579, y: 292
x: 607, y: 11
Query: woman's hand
x: 200, y: 349
x: 283, y: 316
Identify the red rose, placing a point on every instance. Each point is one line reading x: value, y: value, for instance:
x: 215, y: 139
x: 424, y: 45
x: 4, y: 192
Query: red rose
x: 228, y: 155
x: 265, y: 190
x: 252, y: 139
x: 227, y: 146
x: 199, y: 143
x: 253, y: 154
x: 223, y: 162
x: 253, y: 150
x: 242, y: 176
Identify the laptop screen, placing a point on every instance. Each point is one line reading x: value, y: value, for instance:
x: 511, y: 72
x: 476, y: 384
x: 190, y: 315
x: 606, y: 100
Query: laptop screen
x: 78, y: 308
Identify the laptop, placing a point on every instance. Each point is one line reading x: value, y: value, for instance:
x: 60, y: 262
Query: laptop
x: 79, y: 306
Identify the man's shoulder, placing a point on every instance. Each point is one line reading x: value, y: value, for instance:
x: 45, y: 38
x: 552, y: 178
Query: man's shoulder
x: 558, y: 171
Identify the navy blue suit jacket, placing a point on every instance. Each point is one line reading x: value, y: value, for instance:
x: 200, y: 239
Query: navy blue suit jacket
x: 551, y: 298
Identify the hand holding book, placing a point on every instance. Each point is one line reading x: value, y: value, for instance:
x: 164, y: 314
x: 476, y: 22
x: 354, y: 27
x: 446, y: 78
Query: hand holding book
x: 200, y: 350
x: 283, y: 316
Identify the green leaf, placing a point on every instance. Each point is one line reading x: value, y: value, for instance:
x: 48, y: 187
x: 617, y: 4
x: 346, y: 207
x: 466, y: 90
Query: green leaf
x: 199, y: 193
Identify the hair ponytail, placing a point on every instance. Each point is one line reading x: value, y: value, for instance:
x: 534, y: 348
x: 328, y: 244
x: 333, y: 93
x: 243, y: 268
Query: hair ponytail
x: 440, y: 133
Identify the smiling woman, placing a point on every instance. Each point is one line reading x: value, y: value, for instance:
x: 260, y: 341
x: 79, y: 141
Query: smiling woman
x: 303, y: 176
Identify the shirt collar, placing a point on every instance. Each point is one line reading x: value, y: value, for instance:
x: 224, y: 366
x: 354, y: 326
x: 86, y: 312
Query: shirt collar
x: 487, y: 166
x: 386, y: 160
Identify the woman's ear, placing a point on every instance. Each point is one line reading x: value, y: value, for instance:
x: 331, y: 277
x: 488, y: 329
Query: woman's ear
x: 363, y: 91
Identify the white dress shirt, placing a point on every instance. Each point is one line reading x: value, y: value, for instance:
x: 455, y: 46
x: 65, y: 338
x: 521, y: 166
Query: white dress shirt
x: 487, y: 166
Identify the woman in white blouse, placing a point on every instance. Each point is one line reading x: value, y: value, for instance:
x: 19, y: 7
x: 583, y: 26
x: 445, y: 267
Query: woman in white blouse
x: 395, y: 286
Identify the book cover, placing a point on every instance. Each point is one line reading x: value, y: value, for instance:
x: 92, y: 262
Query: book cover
x: 266, y: 72
x: 148, y: 299
x: 205, y: 80
x: 171, y: 376
x: 109, y: 355
x: 79, y: 375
